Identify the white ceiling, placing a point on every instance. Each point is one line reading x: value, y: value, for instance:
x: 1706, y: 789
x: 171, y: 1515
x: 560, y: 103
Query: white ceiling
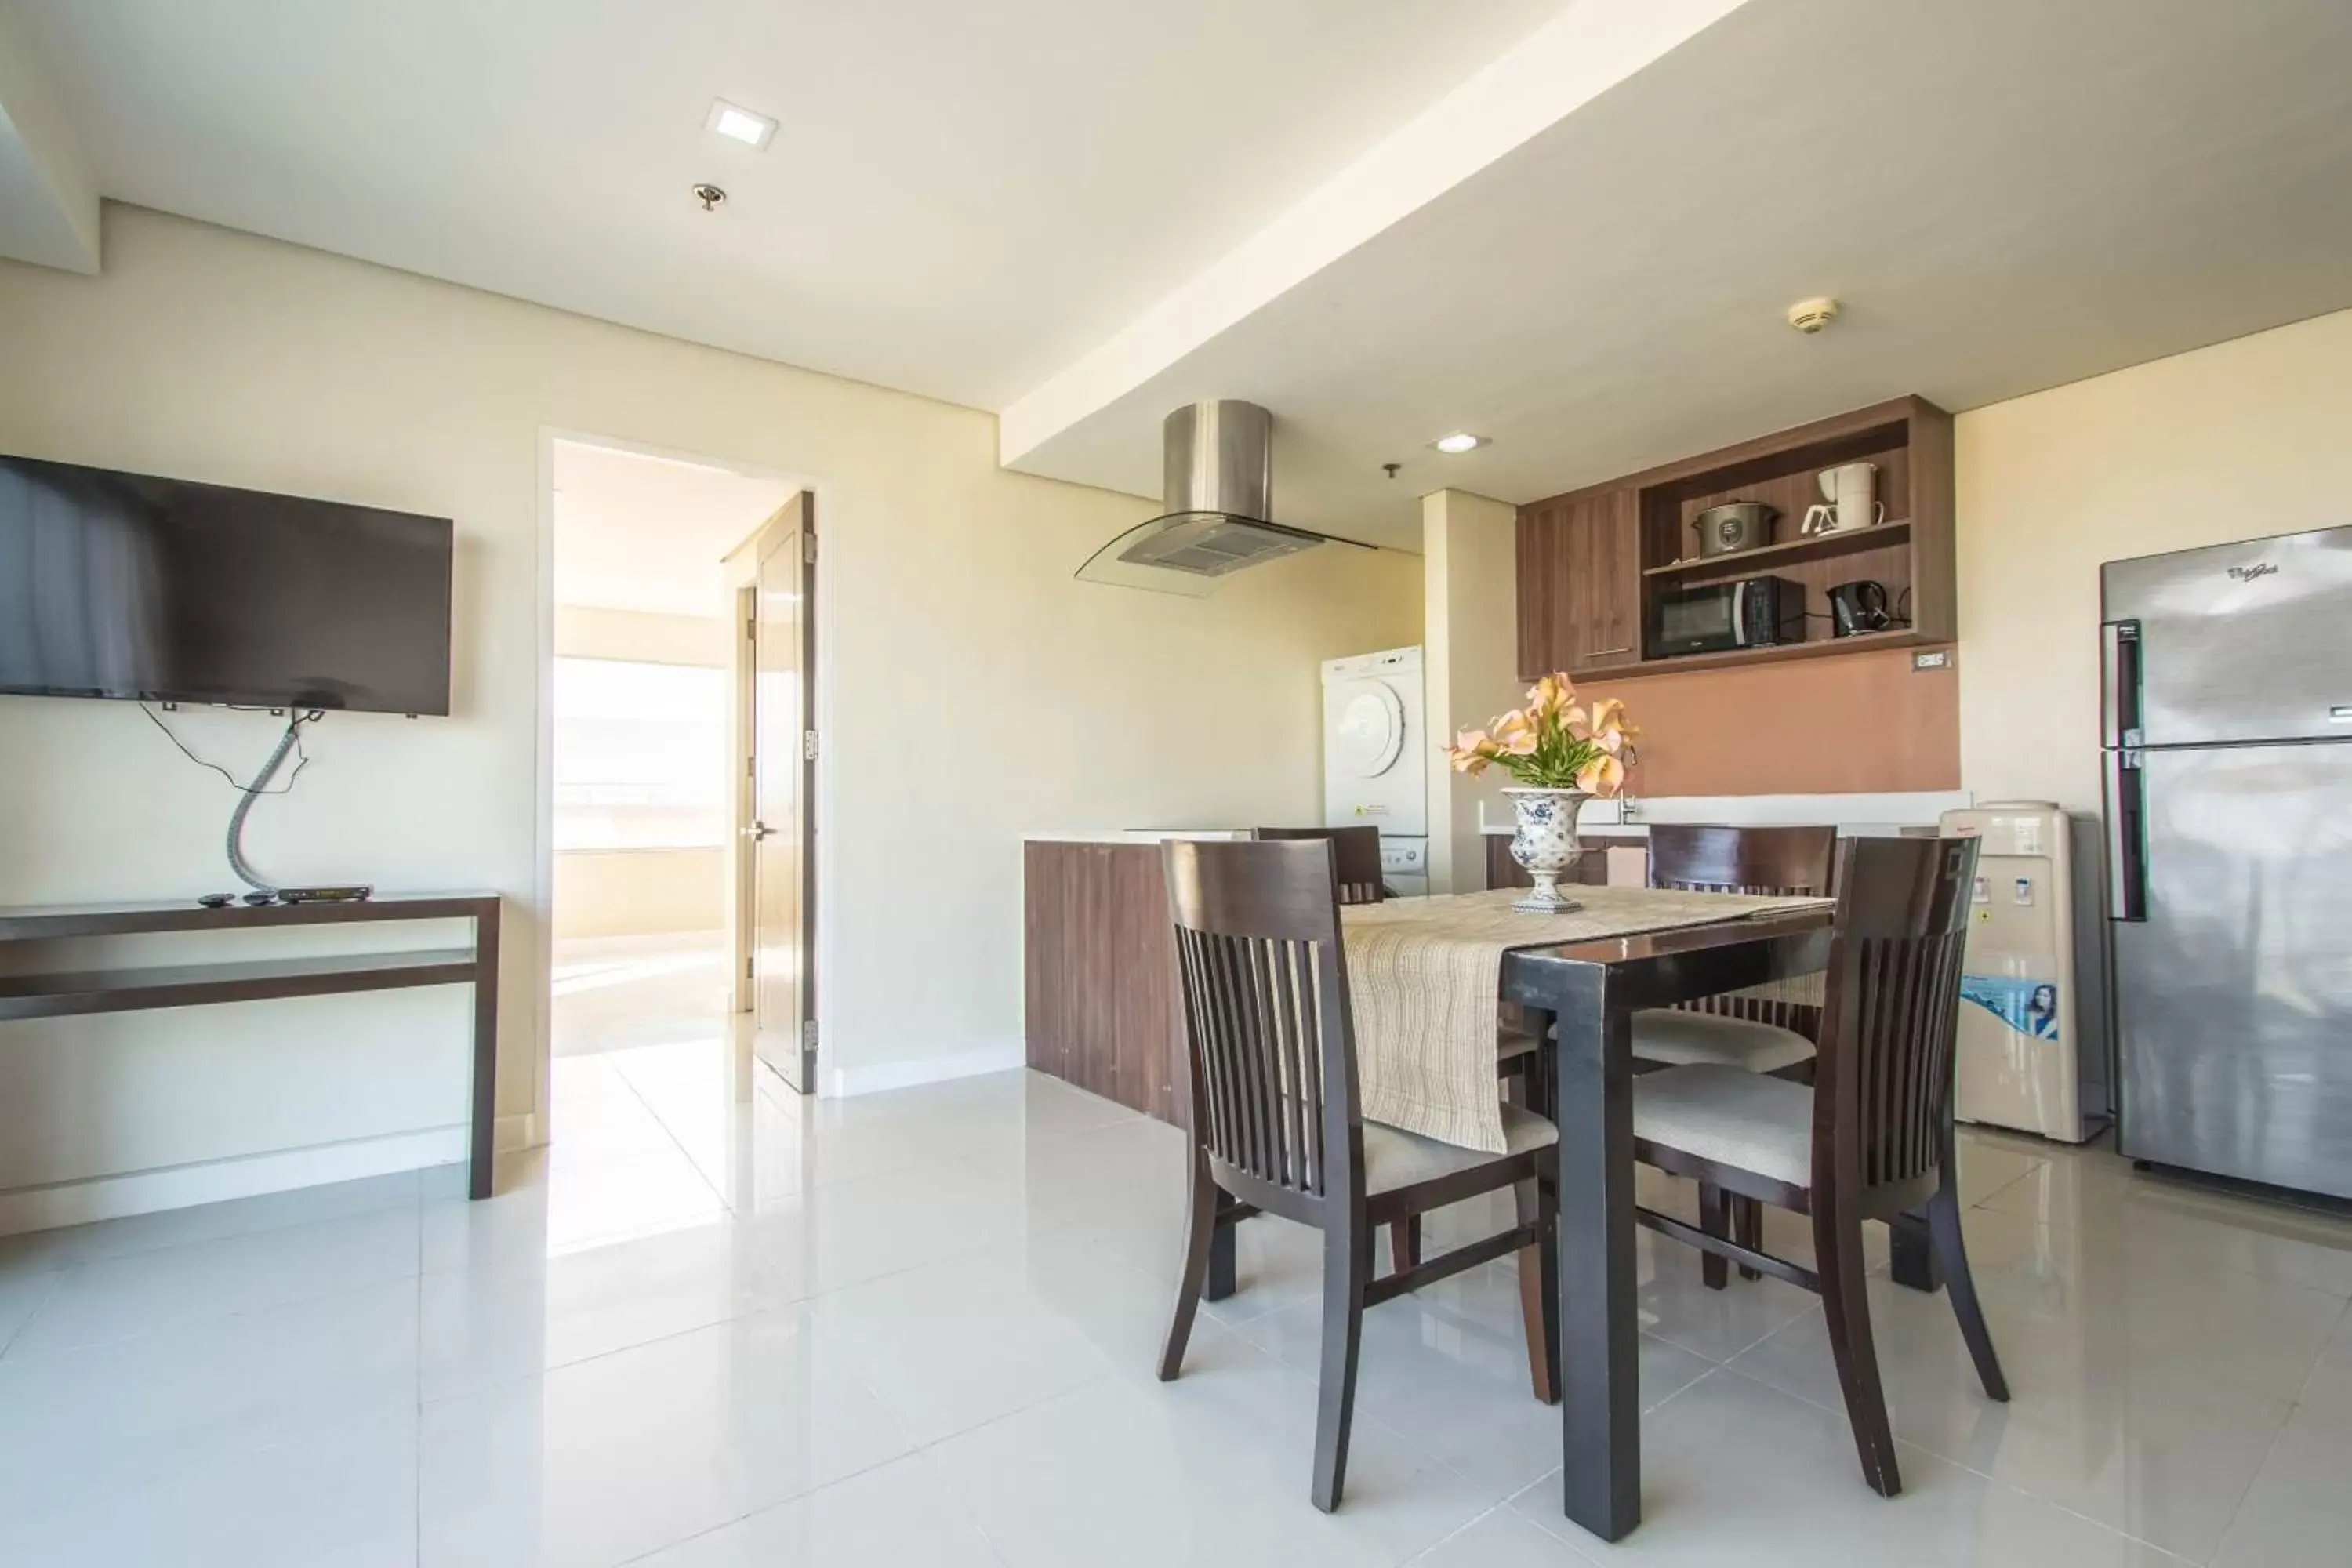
x: 638, y: 532
x: 2006, y: 195
x: 1572, y: 225
x: 962, y: 196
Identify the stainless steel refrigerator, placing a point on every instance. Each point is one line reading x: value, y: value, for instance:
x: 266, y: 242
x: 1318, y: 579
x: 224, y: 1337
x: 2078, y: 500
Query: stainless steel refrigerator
x: 2227, y: 744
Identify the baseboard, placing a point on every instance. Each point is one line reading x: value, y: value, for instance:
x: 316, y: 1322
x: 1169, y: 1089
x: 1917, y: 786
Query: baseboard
x: 842, y: 1083
x: 212, y: 1181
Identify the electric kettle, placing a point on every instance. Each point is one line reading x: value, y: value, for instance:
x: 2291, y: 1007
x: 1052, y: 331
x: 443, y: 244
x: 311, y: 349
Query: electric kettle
x: 1859, y: 606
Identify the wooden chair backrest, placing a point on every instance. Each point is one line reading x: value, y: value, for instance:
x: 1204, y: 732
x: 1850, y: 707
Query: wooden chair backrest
x: 1262, y: 970
x: 1883, y: 1081
x: 1356, y: 850
x: 1706, y: 858
x: 1710, y: 858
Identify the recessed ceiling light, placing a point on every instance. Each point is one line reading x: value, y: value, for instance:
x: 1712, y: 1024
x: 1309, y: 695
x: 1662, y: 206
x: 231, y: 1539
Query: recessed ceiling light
x: 754, y: 131
x: 1460, y: 441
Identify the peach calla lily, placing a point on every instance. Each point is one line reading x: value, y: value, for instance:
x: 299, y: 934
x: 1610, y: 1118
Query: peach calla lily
x: 1602, y: 775
x: 1553, y: 742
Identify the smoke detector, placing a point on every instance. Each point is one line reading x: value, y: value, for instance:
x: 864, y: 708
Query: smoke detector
x: 1810, y: 316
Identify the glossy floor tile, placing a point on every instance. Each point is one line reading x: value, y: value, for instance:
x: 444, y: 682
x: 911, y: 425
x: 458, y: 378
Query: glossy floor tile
x: 718, y: 1325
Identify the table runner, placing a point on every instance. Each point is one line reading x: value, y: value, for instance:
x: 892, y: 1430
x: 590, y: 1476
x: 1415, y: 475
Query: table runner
x: 1424, y: 978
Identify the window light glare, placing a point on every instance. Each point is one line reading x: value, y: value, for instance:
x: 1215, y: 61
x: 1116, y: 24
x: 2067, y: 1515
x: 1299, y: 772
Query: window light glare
x: 741, y: 125
x: 1460, y: 441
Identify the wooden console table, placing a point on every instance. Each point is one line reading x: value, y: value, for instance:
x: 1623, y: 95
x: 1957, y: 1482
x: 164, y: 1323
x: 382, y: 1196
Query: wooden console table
x: 65, y: 993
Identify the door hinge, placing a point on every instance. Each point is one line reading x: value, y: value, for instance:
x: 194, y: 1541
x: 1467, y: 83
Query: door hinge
x: 808, y: 1034
x: 808, y: 745
x: 750, y: 966
x: 808, y: 548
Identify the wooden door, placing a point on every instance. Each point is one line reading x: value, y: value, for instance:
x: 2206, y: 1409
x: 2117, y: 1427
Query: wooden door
x: 1606, y: 590
x: 784, y: 772
x: 1612, y: 582
x: 1542, y: 590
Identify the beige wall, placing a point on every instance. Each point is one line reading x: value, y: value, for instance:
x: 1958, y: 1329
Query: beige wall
x: 971, y: 690
x: 587, y: 631
x: 640, y: 892
x: 2245, y: 438
x: 1470, y: 664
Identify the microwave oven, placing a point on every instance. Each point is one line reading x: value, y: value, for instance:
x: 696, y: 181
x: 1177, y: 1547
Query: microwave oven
x: 1716, y: 617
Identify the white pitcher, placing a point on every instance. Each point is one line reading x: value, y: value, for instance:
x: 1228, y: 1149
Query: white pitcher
x: 1849, y: 486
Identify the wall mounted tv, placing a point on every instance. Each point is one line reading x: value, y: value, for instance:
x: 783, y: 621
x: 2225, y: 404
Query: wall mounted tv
x: 117, y: 584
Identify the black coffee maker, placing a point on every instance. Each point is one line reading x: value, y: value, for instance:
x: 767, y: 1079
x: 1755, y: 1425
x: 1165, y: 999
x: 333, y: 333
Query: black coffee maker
x: 1858, y: 607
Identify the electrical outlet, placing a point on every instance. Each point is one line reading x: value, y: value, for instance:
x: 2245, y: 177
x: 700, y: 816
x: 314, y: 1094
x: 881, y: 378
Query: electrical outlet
x: 1937, y: 659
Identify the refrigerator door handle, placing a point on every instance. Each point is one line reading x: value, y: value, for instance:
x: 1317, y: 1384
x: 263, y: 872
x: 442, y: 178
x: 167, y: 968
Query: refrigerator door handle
x: 2119, y: 717
x: 2126, y: 873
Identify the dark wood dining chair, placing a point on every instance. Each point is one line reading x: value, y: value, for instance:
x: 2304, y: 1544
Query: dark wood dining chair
x: 1753, y: 1034
x: 1357, y: 855
x: 1276, y: 1123
x: 1355, y: 851
x: 1870, y: 1138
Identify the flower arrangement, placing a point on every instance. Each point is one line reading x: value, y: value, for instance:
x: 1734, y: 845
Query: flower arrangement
x: 1552, y: 742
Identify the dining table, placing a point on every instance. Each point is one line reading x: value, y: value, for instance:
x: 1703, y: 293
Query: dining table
x: 1580, y: 999
x: 1591, y: 991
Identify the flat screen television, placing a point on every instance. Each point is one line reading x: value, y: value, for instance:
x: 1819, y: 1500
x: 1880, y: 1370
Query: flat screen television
x: 116, y: 584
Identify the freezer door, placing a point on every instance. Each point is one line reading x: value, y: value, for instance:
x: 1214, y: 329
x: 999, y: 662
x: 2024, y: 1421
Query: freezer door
x: 2234, y: 994
x: 2237, y: 642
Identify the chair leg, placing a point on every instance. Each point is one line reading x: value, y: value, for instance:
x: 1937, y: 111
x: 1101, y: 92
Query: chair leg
x: 1347, y: 1267
x: 1404, y: 1244
x: 1539, y: 1290
x: 1837, y: 1252
x: 1944, y: 1232
x: 1713, y: 1220
x: 1748, y: 1229
x: 1200, y: 1231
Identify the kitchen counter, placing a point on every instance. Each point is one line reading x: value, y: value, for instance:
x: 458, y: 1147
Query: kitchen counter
x: 1132, y: 835
x: 1854, y: 815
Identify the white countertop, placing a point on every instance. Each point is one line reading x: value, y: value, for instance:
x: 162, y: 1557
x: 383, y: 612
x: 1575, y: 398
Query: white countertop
x: 1131, y: 835
x: 1854, y: 815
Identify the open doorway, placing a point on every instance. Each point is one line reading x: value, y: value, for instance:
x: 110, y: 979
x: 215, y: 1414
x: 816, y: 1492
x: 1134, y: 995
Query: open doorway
x: 658, y: 659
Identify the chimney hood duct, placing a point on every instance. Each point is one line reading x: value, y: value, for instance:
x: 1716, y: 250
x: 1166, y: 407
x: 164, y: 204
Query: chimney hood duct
x: 1217, y: 486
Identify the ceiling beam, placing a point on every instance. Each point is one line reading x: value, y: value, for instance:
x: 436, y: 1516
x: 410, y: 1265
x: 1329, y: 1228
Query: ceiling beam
x: 49, y: 202
x: 1588, y: 47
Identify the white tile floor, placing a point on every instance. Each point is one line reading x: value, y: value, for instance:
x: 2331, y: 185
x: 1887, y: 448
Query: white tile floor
x: 919, y: 1327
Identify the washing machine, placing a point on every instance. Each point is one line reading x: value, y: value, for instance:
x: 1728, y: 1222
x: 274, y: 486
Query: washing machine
x: 1376, y: 759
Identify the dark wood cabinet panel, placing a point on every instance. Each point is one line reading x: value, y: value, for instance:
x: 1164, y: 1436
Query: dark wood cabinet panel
x: 1607, y: 573
x: 1591, y: 560
x: 1543, y: 590
x: 1098, y: 971
x: 1579, y: 586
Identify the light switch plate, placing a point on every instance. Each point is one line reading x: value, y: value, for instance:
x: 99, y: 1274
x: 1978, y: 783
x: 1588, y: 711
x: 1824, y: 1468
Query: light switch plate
x: 1938, y: 658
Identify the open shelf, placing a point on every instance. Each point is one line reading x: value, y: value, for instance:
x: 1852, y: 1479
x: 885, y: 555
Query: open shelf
x: 1818, y: 547
x: 58, y: 995
x: 1681, y: 664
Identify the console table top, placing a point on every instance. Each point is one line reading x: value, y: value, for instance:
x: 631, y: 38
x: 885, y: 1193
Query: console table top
x: 39, y: 922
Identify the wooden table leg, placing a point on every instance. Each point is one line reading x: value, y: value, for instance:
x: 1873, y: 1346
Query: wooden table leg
x: 1911, y: 1260
x: 1601, y: 1409
x: 482, y: 1143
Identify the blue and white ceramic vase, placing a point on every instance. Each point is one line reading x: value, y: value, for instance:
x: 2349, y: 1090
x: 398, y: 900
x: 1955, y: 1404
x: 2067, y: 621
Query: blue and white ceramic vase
x: 1545, y: 845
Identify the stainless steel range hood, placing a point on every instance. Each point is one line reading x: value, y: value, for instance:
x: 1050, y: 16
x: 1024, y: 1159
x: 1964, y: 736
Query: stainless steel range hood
x: 1217, y: 484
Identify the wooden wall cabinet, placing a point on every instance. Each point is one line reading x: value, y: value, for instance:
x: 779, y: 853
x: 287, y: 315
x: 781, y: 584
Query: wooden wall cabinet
x: 1593, y: 562
x: 1580, y: 584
